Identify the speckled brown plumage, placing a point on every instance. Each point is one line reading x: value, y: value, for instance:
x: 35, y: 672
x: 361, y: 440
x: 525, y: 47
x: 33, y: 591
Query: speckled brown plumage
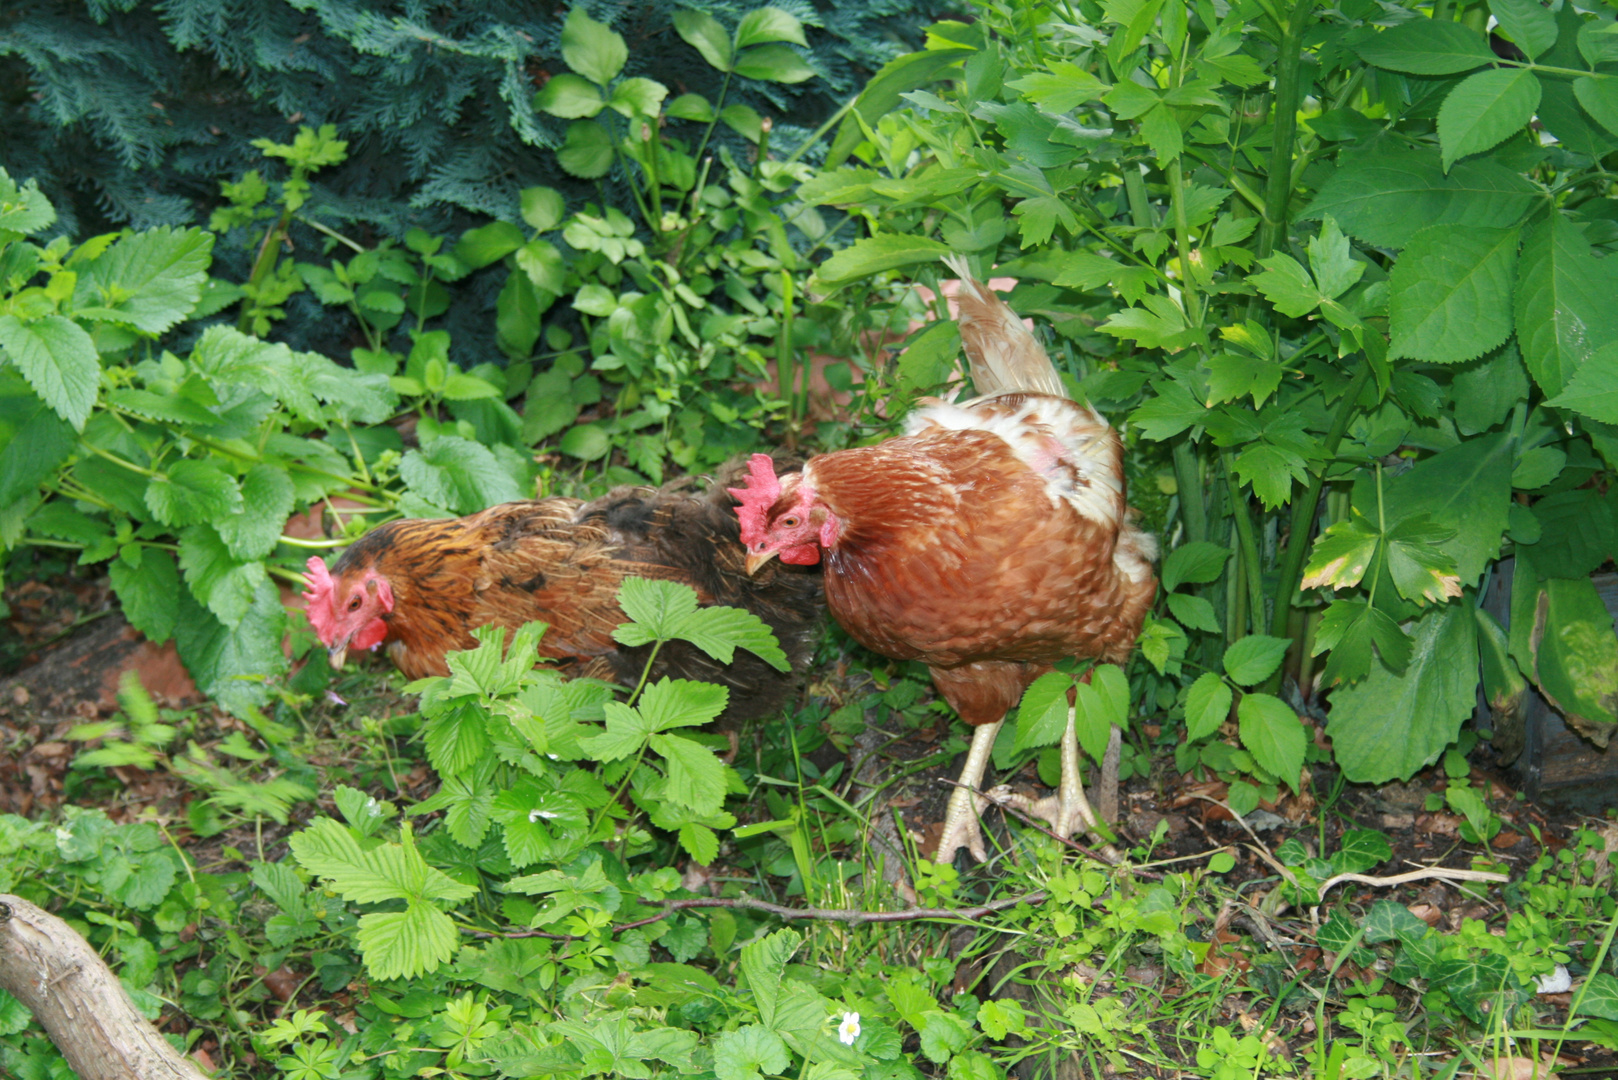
x: 561, y: 561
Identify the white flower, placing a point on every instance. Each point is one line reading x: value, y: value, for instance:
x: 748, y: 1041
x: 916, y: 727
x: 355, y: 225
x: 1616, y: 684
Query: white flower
x: 849, y: 1029
x: 535, y: 815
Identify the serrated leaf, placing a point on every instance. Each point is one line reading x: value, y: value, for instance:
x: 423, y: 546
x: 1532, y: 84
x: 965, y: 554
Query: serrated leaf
x: 929, y: 358
x: 1252, y: 659
x: 1486, y: 109
x: 1600, y: 99
x: 764, y: 963
x: 700, y: 842
x: 696, y: 776
x: 1450, y: 294
x: 1232, y: 376
x: 1466, y: 490
x: 230, y: 664
x: 1424, y: 46
x: 720, y: 631
x: 1390, y: 725
x: 456, y: 473
x: 749, y: 1052
x: 1349, y: 629
x: 59, y: 361
x: 671, y: 703
x: 267, y: 499
x: 1062, y: 88
x: 34, y: 440
x: 1388, y: 198
x: 1421, y: 570
x: 542, y: 208
x: 1528, y: 23
x: 225, y: 584
x: 875, y: 254
x: 1271, y: 732
x: 1600, y: 997
x: 23, y: 209
x: 149, y: 593
x: 1042, y: 714
x: 150, y: 279
x: 1271, y: 469
x: 1101, y: 703
x: 403, y: 945
x: 1193, y: 612
x: 1198, y: 563
x: 1576, y: 657
x: 1593, y: 391
x: 1287, y: 285
x: 1563, y: 304
x: 456, y: 739
x: 1172, y: 411
x: 1207, y: 706
x: 1331, y: 260
x: 702, y: 32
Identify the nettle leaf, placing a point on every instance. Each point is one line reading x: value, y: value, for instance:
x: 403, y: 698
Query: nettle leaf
x: 1272, y: 733
x: 1450, y: 294
x: 1042, y: 714
x: 191, y: 492
x: 1207, y: 706
x: 1427, y: 47
x: 59, y: 361
x: 1421, y: 571
x: 1391, y: 725
x: 1563, y: 305
x: 1349, y: 629
x: 456, y: 473
x: 1198, y: 563
x: 1271, y: 469
x: 591, y: 48
x: 34, y: 440
x: 696, y: 775
x: 149, y: 280
x: 1252, y: 659
x: 23, y: 209
x: 149, y: 593
x: 267, y: 499
x: 227, y: 585
x: 1486, y: 109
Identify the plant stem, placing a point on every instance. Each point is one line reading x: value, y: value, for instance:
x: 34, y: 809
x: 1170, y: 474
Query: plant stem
x: 1243, y: 517
x: 269, y: 253
x: 1188, y: 478
x: 820, y: 132
x: 1278, y: 184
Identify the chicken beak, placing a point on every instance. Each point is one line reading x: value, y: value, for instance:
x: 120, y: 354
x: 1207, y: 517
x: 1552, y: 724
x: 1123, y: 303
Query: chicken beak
x: 337, y: 654
x: 756, y: 559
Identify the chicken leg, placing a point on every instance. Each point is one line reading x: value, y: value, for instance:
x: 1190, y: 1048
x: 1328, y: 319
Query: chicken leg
x: 961, y: 827
x: 1068, y: 810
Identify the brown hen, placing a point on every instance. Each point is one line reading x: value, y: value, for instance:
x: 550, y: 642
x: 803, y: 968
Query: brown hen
x: 990, y: 541
x: 418, y: 587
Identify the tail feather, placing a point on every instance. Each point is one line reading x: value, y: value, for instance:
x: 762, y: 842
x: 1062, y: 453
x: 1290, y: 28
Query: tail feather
x: 1004, y: 355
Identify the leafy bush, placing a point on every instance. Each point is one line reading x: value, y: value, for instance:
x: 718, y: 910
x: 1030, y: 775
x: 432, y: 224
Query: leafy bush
x: 1363, y: 325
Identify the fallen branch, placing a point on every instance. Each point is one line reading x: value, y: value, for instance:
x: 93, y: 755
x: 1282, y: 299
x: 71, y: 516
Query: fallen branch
x: 79, y: 1002
x: 1438, y: 872
x: 852, y: 916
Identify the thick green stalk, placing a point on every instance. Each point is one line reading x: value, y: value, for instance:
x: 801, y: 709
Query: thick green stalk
x: 269, y: 253
x: 1248, y: 547
x: 1278, y: 185
x: 1188, y: 479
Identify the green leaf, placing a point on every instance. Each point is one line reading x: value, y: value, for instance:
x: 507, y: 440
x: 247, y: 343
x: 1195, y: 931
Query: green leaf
x: 1158, y: 324
x: 1593, y: 390
x: 1485, y: 391
x: 587, y: 442
x: 1576, y: 658
x: 702, y: 32
x: 1564, y: 310
x: 1198, y: 562
x: 1331, y: 260
x: 1391, y: 725
x: 226, y: 585
x: 1287, y: 285
x: 929, y: 359
x: 542, y: 208
x: 875, y: 254
x: 267, y: 499
x: 1161, y: 133
x: 489, y: 243
x: 1100, y: 704
x: 1207, y: 705
x: 1486, y: 109
x: 764, y: 963
x: 1349, y: 629
x: 193, y: 491
x: 1450, y: 294
x: 587, y: 150
x: 572, y: 97
x: 404, y: 945
x: 23, y: 210
x: 1172, y: 411
x: 1042, y: 714
x: 1527, y: 23
x: 1466, y: 491
x: 1271, y: 732
x: 591, y: 48
x: 1193, y: 612
x: 1232, y: 376
x: 34, y: 441
x: 766, y: 24
x: 1062, y: 89
x: 1600, y: 997
x: 148, y: 592
x: 1600, y: 99
x: 1538, y: 467
x: 749, y: 1052
x: 638, y: 97
x: 150, y: 279
x: 59, y: 361
x: 671, y: 703
x: 1387, y: 198
x: 1425, y: 46
x: 544, y: 265
x: 1422, y: 571
x: 229, y: 664
x: 1252, y: 659
x: 1271, y: 469
x: 456, y: 739
x: 690, y: 107
x: 696, y: 776
x: 456, y: 473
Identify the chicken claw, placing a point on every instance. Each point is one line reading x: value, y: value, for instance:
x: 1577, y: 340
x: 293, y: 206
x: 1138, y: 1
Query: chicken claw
x: 961, y: 828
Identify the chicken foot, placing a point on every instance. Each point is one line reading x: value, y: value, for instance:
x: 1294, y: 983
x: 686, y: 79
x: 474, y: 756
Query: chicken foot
x: 961, y: 828
x: 1068, y: 811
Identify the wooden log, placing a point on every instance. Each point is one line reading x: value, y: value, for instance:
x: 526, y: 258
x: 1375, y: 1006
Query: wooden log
x: 76, y: 998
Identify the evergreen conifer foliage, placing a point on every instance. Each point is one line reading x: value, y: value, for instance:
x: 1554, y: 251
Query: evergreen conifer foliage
x: 132, y: 112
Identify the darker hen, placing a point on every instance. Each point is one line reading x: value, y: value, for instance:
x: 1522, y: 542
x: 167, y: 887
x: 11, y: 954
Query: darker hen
x: 989, y: 542
x: 418, y: 587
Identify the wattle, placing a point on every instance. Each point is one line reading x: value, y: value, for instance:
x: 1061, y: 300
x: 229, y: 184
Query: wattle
x: 371, y: 636
x: 802, y: 555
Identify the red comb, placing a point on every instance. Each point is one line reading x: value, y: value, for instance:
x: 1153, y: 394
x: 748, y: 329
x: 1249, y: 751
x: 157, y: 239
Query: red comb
x: 757, y: 497
x: 318, y: 598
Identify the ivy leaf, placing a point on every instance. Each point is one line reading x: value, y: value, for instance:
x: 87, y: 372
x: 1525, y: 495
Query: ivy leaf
x: 458, y: 474
x: 267, y: 499
x: 149, y: 593
x: 230, y: 664
x: 226, y: 585
x: 696, y: 775
x: 1486, y: 109
x: 591, y: 48
x: 1427, y: 47
x: 1450, y: 294
x: 1271, y: 732
x: 1252, y: 659
x: 149, y: 280
x: 704, y: 33
x: 1391, y: 725
x: 1563, y: 305
x: 749, y: 1052
x: 1207, y: 705
x: 1198, y: 562
x: 1271, y: 469
x: 1349, y: 629
x: 193, y: 491
x: 59, y: 361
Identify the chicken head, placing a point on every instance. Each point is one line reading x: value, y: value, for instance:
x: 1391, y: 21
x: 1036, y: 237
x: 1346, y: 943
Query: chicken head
x: 781, y: 518
x: 347, y: 614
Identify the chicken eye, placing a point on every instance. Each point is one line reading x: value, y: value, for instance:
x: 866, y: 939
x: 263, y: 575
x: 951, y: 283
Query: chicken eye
x: 790, y: 522
x: 354, y: 604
